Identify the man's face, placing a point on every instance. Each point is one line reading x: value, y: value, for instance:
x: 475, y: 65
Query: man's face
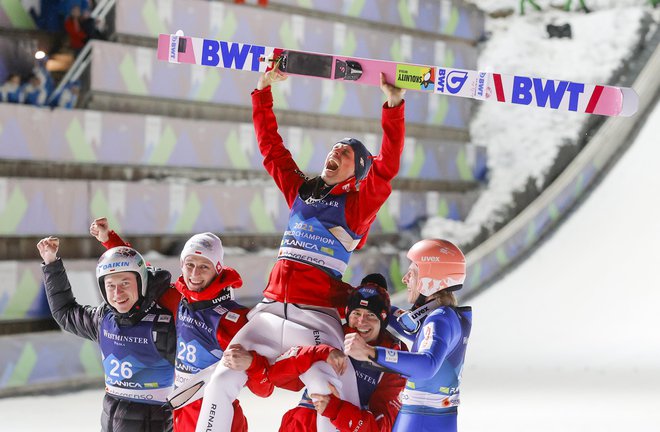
x: 121, y: 290
x: 365, y: 322
x: 411, y: 280
x: 198, y: 272
x: 339, y: 164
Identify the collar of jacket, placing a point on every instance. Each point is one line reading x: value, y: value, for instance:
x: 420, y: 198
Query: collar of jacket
x: 316, y: 189
x: 133, y: 316
x: 227, y: 278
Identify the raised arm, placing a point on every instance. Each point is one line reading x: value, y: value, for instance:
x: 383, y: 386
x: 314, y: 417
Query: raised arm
x: 277, y: 159
x: 107, y: 237
x: 80, y: 320
x: 436, y: 339
x: 376, y: 187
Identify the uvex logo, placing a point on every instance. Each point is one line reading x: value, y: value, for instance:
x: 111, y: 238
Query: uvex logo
x: 430, y: 259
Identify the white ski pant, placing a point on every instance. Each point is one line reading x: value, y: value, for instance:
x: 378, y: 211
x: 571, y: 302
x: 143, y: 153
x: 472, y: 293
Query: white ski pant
x: 272, y: 329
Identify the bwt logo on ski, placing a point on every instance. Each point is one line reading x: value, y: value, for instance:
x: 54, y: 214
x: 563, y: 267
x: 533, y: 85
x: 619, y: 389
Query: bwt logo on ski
x: 174, y: 43
x: 451, y: 82
x: 231, y: 53
x: 526, y: 91
x: 482, y: 91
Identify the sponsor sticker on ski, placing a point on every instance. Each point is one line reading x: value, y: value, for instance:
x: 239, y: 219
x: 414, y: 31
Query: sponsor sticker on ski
x: 415, y: 77
x: 510, y: 89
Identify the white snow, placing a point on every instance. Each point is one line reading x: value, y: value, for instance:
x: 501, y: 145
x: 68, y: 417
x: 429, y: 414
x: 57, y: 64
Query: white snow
x: 568, y: 340
x: 522, y: 142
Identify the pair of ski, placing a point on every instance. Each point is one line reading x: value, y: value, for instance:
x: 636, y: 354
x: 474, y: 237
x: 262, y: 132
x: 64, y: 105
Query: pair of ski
x: 511, y: 89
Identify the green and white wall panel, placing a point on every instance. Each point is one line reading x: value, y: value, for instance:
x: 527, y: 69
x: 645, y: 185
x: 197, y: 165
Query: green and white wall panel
x: 34, y: 207
x: 83, y: 136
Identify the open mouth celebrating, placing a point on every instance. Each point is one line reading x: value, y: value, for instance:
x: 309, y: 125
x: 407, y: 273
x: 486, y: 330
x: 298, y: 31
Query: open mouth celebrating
x: 331, y: 165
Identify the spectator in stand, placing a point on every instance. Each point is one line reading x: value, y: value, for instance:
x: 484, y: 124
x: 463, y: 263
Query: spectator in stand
x: 10, y: 91
x: 67, y: 97
x: 74, y: 28
x: 33, y: 92
x: 39, y: 85
x: 81, y: 27
x: 48, y: 17
x: 66, y: 6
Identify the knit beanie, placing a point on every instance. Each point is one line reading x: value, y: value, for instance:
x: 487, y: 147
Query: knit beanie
x: 371, y: 295
x: 362, y: 158
x: 206, y: 245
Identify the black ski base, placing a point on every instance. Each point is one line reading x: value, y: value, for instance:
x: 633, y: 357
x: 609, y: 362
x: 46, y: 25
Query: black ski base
x: 318, y: 65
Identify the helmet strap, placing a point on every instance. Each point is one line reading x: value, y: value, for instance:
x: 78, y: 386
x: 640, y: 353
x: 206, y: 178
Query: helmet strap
x: 421, y: 301
x: 412, y: 320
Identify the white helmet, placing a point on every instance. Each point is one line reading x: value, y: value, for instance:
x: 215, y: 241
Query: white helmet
x: 122, y: 259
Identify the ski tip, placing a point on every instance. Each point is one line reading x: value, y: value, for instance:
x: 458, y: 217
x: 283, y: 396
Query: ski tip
x: 630, y: 102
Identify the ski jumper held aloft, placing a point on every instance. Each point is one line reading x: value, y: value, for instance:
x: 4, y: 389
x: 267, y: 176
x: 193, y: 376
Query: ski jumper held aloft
x: 330, y: 218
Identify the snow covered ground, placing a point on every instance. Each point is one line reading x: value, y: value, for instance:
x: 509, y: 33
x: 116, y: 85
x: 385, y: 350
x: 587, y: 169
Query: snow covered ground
x: 566, y: 342
x: 527, y: 144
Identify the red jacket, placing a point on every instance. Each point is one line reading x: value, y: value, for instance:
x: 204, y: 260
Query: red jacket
x: 77, y: 36
x: 185, y: 418
x: 384, y: 403
x: 295, y: 282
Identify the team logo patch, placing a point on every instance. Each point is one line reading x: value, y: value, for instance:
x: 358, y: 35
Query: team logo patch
x: 364, y: 303
x: 391, y: 356
x: 220, y: 310
x: 429, y: 331
x: 232, y: 316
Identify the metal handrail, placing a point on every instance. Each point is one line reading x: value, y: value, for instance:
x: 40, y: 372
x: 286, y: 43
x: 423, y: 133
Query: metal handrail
x: 74, y: 69
x: 102, y: 8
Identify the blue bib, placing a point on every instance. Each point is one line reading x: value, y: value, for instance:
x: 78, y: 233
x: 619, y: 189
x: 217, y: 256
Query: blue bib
x: 134, y: 369
x: 318, y: 235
